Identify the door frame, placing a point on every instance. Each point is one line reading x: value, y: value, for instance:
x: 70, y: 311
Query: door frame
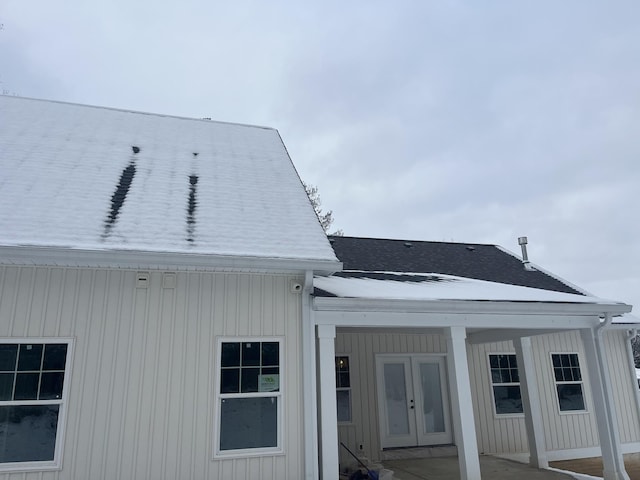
x: 414, y: 438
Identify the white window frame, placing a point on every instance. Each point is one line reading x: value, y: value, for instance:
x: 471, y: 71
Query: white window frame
x: 56, y: 463
x: 248, y: 452
x: 503, y: 384
x: 346, y: 389
x: 566, y: 382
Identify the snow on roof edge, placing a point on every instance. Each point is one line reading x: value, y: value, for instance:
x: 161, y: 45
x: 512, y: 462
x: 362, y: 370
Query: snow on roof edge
x: 139, y: 112
x: 350, y: 287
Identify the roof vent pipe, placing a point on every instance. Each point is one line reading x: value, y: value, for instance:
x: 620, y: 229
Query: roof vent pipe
x: 522, y: 241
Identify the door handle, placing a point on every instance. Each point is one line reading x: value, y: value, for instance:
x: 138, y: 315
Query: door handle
x: 411, y: 406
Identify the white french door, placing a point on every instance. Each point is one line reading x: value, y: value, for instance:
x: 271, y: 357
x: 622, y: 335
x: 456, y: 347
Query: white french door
x: 412, y: 400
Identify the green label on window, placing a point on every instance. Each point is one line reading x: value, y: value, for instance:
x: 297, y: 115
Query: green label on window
x: 269, y: 383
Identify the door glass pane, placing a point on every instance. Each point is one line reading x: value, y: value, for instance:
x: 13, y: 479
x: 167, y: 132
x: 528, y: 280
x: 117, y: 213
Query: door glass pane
x: 432, y: 398
x: 396, y: 396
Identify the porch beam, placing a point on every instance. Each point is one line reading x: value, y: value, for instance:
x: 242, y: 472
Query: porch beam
x: 606, y: 418
x: 506, y: 334
x: 405, y: 319
x: 463, y: 422
x: 328, y: 405
x: 531, y: 403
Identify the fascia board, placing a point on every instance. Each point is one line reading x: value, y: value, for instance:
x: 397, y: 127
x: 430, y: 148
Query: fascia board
x: 468, y: 306
x: 135, y: 259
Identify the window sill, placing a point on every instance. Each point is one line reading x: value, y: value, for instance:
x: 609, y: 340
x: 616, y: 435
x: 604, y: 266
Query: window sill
x: 253, y: 452
x: 29, y: 467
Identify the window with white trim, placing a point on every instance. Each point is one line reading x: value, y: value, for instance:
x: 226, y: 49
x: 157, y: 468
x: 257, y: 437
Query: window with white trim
x: 568, y: 378
x: 33, y: 396
x: 249, y: 397
x: 343, y: 389
x: 505, y: 381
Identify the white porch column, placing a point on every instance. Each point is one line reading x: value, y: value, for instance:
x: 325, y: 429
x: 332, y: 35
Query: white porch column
x: 328, y: 405
x: 531, y: 403
x: 464, y: 426
x: 605, y: 411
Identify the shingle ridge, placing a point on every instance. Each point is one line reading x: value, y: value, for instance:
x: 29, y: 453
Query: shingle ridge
x: 138, y: 112
x: 413, y: 241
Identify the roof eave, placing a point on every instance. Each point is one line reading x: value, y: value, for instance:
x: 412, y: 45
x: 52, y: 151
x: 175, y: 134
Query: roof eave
x: 149, y: 260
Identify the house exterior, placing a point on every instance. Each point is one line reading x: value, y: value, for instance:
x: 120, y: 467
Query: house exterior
x: 171, y: 308
x: 152, y: 276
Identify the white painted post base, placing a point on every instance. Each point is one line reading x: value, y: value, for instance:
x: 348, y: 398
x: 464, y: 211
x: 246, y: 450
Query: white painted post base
x: 605, y: 411
x: 329, y: 463
x: 464, y: 426
x: 531, y: 403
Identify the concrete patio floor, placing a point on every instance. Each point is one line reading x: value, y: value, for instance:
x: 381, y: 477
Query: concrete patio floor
x: 593, y: 466
x: 446, y: 468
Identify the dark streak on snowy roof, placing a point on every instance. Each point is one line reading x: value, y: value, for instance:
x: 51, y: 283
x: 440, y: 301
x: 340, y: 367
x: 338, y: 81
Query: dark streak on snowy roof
x: 191, y: 207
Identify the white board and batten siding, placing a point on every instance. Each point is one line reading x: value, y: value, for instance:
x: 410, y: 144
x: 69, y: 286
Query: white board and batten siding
x: 362, y: 347
x: 142, y: 389
x: 564, y: 431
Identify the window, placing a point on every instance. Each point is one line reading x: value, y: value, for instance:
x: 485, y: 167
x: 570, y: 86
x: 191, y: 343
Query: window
x: 566, y: 370
x: 506, y: 383
x: 343, y: 389
x: 33, y: 386
x: 249, y: 397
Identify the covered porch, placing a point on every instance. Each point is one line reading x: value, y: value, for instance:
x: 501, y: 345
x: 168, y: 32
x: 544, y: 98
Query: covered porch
x: 460, y: 324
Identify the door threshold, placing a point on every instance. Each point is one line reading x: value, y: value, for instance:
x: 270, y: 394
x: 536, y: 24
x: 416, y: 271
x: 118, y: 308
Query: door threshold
x: 431, y: 451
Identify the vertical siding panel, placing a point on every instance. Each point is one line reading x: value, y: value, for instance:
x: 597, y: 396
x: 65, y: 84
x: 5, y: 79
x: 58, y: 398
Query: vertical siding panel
x: 177, y: 379
x: 33, y: 319
x: 210, y: 316
x: 23, y: 302
x: 616, y: 346
x: 111, y: 371
x: 8, y: 294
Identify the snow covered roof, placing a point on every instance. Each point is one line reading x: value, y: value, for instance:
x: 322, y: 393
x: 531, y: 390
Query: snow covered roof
x: 381, y: 272
x: 468, y: 260
x: 435, y: 286
x: 92, y: 178
x: 626, y: 319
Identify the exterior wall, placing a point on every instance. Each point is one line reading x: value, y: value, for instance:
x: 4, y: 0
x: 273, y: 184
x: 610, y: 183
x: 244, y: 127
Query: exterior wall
x: 504, y: 434
x: 362, y: 347
x: 563, y: 431
x: 142, y: 389
x: 496, y: 434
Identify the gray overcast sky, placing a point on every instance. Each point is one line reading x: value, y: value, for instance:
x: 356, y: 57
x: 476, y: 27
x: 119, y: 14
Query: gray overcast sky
x: 426, y: 120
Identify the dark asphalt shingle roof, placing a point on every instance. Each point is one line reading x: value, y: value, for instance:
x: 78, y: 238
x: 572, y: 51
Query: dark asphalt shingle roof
x: 469, y: 260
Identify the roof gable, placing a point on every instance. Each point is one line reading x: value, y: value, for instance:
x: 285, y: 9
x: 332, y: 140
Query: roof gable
x: 102, y: 179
